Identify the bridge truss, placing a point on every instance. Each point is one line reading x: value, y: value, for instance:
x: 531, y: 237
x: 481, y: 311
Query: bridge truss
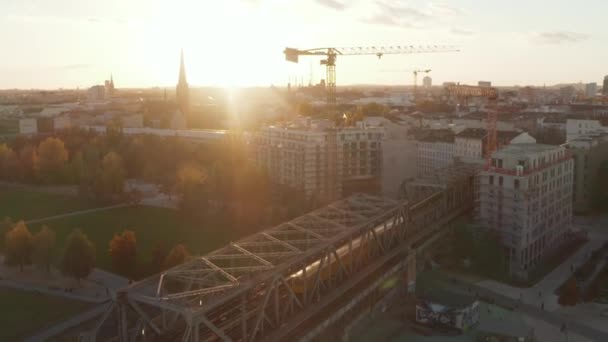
x: 251, y: 288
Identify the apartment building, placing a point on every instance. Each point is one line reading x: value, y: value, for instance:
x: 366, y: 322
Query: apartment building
x: 435, y: 150
x: 589, y: 153
x: 318, y: 158
x: 525, y: 197
x: 581, y: 127
x: 471, y: 143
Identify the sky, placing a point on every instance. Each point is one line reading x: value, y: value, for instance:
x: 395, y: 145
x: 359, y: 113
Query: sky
x: 67, y: 44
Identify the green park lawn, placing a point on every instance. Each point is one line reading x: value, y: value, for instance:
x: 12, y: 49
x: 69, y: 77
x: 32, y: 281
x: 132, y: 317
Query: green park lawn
x: 151, y: 226
x: 26, y: 313
x: 20, y: 204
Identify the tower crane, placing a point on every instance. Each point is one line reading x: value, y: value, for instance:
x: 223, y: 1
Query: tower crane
x: 330, y: 55
x: 415, y: 72
x: 464, y: 92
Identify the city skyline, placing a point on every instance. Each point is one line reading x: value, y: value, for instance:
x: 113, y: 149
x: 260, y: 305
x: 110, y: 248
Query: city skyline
x: 240, y: 42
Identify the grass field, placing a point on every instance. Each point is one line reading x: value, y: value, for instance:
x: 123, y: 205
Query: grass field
x: 26, y: 313
x: 151, y: 226
x: 26, y: 205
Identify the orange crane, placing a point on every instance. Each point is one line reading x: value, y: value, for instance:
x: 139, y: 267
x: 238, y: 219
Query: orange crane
x: 464, y: 92
x: 331, y: 54
x: 416, y: 81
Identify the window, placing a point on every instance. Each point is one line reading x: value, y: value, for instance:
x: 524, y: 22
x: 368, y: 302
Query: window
x: 491, y: 180
x: 516, y: 183
x: 500, y: 180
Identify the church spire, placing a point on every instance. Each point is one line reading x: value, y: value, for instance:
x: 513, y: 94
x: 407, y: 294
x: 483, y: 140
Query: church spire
x: 182, y: 90
x: 182, y: 70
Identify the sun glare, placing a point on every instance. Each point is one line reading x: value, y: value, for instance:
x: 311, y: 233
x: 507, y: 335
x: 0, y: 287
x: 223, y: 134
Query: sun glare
x: 234, y: 45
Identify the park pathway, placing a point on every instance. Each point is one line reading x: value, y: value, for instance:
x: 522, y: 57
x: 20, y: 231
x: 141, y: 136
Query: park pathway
x: 76, y: 213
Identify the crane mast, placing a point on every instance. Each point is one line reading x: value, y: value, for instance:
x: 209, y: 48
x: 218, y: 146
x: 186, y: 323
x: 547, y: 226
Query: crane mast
x: 331, y: 54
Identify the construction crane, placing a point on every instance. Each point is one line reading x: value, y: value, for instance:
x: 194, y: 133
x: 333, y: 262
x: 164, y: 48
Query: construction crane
x: 464, y: 92
x: 415, y: 72
x: 330, y: 55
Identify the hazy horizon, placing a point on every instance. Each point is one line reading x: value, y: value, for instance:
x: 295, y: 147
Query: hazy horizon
x: 240, y: 42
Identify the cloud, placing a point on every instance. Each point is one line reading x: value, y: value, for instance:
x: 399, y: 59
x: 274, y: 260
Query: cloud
x: 445, y: 10
x: 72, y: 66
x: 94, y: 20
x: 560, y: 37
x: 397, y: 15
x: 461, y: 32
x: 338, y: 5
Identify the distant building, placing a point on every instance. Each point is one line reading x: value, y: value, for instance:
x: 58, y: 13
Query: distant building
x: 61, y: 122
x: 109, y: 86
x: 132, y: 121
x: 472, y: 143
x: 605, y: 86
x: 96, y: 93
x: 576, y: 128
x: 590, y: 89
x: 525, y: 198
x: 435, y: 150
x: 178, y: 120
x: 182, y: 89
x: 589, y: 152
x: 485, y: 84
x: 427, y: 82
x: 567, y: 93
x: 28, y: 126
x: 317, y: 158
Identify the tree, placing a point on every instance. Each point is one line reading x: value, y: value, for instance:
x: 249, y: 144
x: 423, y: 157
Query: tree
x: 9, y: 163
x: 569, y: 294
x: 192, y: 190
x: 177, y: 256
x: 19, y: 245
x: 112, y: 177
x: 5, y: 225
x: 159, y: 254
x: 52, y: 156
x: 28, y: 161
x: 123, y: 251
x: 79, y: 256
x: 43, y: 243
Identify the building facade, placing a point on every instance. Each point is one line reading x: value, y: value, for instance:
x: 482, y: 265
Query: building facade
x: 435, y: 150
x: 471, y: 143
x: 525, y: 198
x: 579, y: 128
x: 605, y: 86
x: 590, y: 89
x: 319, y: 159
x: 589, y: 152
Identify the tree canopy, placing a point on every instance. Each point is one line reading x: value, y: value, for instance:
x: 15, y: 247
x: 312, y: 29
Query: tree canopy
x: 79, y: 256
x: 176, y: 256
x: 18, y: 245
x: 123, y: 251
x: 43, y: 244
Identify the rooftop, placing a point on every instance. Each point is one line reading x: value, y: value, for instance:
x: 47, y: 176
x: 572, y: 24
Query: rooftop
x: 525, y: 149
x: 435, y: 135
x: 480, y: 133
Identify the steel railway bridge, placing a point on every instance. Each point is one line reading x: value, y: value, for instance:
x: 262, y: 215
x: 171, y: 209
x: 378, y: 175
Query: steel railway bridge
x: 295, y: 280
